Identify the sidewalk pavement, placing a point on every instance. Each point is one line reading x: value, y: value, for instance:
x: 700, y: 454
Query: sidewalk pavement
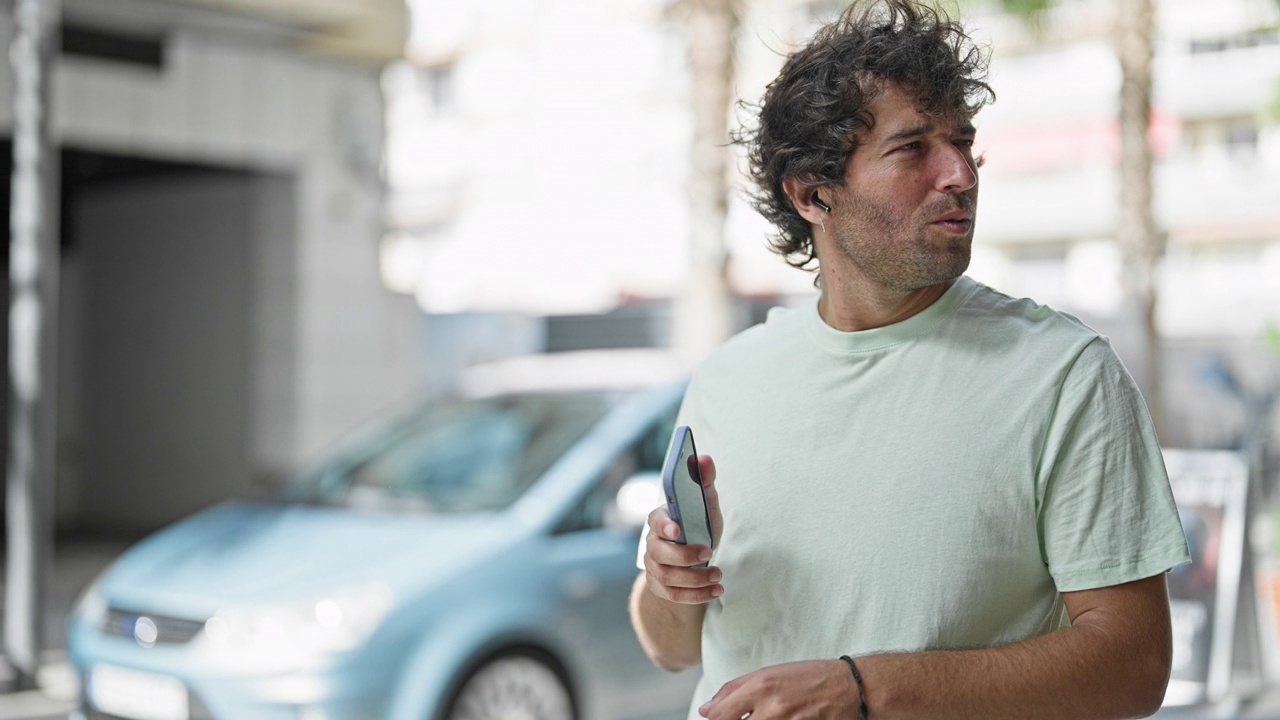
x: 55, y: 697
x: 77, y: 561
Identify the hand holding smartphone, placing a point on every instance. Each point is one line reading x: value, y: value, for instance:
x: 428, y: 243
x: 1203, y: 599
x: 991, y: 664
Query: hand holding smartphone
x: 682, y: 483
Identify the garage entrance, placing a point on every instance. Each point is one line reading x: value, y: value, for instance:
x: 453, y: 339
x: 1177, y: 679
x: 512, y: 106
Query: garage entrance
x: 157, y: 331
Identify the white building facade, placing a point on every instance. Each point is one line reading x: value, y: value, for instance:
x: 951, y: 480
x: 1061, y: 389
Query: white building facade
x: 539, y: 155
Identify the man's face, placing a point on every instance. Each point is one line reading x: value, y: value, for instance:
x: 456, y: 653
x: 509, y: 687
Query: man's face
x: 905, y: 212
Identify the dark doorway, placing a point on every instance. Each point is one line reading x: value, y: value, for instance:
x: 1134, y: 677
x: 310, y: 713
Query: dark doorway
x: 155, y: 335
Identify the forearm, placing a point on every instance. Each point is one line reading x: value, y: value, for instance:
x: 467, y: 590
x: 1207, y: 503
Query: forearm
x: 1083, y: 672
x: 670, y: 633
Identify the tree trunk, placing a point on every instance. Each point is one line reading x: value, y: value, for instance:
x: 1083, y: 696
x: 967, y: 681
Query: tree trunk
x: 1141, y: 244
x: 704, y: 313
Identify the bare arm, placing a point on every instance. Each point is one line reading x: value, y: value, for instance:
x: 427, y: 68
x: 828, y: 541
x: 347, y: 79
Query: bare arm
x: 670, y: 633
x: 1113, y: 662
x: 668, y: 600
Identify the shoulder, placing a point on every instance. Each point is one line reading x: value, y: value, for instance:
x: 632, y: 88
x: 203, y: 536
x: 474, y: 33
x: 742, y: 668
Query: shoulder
x: 1024, y: 325
x: 759, y: 343
x: 993, y: 306
x: 754, y: 353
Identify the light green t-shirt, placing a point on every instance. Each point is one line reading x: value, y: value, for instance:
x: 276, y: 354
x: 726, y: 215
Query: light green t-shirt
x: 932, y: 484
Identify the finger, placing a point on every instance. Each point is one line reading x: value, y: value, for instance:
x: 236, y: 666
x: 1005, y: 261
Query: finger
x: 706, y: 470
x: 730, y: 702
x: 727, y: 689
x: 655, y: 575
x: 685, y: 596
x: 661, y: 526
x: 684, y: 577
x: 665, y: 552
x: 658, y: 519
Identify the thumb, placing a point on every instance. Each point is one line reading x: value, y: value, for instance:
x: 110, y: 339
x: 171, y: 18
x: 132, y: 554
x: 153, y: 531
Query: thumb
x: 707, y: 471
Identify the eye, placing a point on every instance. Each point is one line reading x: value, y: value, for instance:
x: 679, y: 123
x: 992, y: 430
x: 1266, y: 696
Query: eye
x: 964, y: 142
x: 911, y: 146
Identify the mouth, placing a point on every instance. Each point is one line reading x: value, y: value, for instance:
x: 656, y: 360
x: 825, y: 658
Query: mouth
x: 958, y: 225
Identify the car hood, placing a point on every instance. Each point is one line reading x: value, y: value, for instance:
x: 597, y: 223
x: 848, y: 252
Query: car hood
x: 241, y: 554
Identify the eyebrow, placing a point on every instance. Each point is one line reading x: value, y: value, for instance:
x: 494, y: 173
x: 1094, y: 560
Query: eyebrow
x: 911, y: 132
x: 919, y: 130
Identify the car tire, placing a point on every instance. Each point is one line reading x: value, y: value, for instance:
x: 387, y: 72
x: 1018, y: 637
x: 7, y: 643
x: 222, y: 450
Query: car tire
x: 519, y: 687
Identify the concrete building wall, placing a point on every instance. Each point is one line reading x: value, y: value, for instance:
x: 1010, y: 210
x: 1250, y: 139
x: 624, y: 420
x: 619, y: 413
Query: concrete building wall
x: 325, y: 346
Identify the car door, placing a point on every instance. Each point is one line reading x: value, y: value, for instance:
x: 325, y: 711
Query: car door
x: 597, y: 566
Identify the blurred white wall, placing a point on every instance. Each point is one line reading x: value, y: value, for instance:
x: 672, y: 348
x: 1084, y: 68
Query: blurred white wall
x: 537, y: 156
x: 538, y: 153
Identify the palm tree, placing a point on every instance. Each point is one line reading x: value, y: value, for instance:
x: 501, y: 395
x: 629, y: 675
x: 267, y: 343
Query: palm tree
x: 704, y: 316
x: 1141, y: 243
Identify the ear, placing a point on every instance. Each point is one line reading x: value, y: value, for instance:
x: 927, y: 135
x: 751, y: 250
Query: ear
x: 801, y: 196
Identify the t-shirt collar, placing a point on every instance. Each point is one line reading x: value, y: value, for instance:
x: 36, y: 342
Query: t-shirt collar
x: 920, y: 324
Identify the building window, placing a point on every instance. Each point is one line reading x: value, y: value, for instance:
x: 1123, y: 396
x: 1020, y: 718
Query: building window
x: 1242, y: 137
x: 1234, y: 137
x: 1237, y: 41
x: 436, y: 83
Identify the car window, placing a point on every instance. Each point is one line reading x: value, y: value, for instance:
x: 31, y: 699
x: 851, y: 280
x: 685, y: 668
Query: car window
x: 645, y: 455
x: 464, y: 456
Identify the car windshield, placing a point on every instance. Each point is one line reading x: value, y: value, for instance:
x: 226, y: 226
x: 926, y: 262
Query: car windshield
x: 457, y: 456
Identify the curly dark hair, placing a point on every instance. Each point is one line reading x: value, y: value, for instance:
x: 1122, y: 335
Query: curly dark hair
x: 808, y: 123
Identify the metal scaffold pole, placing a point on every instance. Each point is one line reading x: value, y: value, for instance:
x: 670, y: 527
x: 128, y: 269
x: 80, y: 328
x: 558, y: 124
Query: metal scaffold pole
x: 33, y: 287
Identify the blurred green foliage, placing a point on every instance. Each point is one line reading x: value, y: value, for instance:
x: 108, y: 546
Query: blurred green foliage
x: 1026, y: 9
x: 1272, y: 336
x: 1272, y: 111
x: 1032, y: 13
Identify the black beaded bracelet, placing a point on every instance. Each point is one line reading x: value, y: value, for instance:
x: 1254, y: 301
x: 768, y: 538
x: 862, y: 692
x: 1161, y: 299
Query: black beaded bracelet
x: 857, y: 680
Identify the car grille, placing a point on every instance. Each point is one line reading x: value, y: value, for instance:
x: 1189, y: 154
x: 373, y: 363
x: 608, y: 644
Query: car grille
x: 168, y: 630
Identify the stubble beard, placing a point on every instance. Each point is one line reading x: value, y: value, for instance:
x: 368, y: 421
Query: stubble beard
x: 897, y: 252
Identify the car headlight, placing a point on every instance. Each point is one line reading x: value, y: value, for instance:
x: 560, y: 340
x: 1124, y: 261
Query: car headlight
x: 300, y: 632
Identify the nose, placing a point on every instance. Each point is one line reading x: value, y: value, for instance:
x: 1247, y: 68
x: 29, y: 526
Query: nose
x: 957, y: 171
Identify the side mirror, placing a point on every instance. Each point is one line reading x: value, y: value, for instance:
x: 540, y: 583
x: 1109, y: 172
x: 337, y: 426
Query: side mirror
x: 637, y: 497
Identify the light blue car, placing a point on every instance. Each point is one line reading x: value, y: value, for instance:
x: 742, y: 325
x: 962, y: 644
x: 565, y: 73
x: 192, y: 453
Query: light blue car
x: 469, y: 561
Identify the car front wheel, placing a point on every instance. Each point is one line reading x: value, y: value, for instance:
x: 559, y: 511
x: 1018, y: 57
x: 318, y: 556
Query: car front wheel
x: 513, y: 687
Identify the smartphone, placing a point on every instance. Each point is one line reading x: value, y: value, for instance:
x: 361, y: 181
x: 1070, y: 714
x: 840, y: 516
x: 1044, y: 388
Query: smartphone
x: 682, y: 483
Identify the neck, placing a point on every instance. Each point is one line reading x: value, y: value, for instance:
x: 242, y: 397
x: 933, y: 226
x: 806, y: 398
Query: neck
x: 849, y: 307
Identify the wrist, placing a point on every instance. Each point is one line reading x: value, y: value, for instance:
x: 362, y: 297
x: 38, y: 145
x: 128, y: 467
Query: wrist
x: 858, y: 686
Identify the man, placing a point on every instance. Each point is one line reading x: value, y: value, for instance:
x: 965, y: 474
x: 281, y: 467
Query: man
x: 928, y: 499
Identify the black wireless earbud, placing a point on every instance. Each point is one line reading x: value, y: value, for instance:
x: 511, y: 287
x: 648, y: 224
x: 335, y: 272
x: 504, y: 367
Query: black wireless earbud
x: 818, y: 201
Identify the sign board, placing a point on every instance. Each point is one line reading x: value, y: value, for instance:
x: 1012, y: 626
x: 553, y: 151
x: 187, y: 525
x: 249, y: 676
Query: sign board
x: 1210, y: 488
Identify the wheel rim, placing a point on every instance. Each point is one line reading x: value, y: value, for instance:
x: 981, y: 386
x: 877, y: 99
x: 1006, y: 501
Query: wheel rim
x: 513, y: 688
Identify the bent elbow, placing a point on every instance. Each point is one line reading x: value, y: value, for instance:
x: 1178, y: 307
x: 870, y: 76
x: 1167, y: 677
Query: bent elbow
x: 672, y: 662
x: 1148, y: 690
x: 1147, y: 702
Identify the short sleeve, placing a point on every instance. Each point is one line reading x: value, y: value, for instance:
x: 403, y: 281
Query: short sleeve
x: 1105, y: 510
